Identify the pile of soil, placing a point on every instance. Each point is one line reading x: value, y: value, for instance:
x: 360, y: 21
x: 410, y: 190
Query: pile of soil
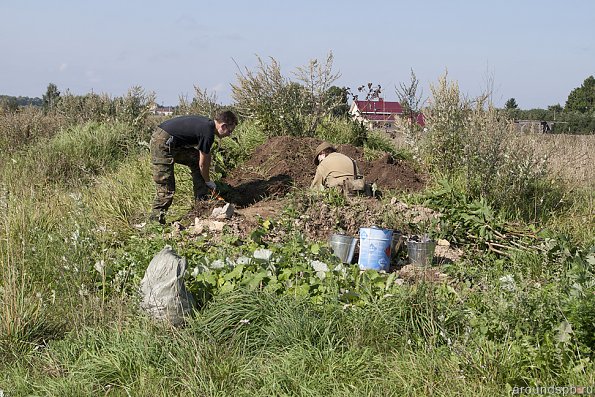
x: 285, y: 162
x: 257, y: 189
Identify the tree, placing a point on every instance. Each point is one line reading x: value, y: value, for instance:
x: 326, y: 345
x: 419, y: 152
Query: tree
x: 8, y: 104
x: 511, y: 104
x: 555, y: 108
x: 50, y: 98
x: 582, y: 99
x: 410, y: 100
x: 338, y: 98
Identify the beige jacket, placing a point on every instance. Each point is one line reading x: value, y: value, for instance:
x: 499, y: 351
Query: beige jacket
x: 332, y: 171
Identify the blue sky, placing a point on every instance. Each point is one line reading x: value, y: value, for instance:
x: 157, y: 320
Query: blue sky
x: 535, y: 51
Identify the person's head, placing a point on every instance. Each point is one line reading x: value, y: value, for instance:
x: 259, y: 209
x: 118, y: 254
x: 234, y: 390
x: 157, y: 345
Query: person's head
x: 225, y: 122
x: 322, y: 151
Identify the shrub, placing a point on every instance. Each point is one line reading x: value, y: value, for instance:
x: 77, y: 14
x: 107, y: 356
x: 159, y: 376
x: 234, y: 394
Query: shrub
x: 229, y: 153
x: 280, y: 106
x: 78, y: 153
x: 132, y: 109
x: 26, y: 126
x: 470, y: 139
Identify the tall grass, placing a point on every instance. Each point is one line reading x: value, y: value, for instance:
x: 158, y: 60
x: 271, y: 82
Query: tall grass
x: 570, y: 157
x: 256, y: 344
x: 118, y: 199
x: 28, y: 125
x: 43, y: 251
x: 47, y: 238
x: 472, y: 140
x: 78, y: 154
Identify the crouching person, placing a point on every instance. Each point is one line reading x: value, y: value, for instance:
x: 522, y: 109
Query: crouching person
x: 336, y: 170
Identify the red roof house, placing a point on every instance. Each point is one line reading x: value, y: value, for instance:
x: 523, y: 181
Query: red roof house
x: 380, y: 113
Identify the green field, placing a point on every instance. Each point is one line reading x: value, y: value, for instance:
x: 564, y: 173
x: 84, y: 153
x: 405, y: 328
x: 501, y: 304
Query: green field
x: 516, y: 310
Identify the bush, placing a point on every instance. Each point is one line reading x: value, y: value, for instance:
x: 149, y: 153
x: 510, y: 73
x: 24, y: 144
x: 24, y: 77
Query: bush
x: 78, y: 153
x: 473, y: 141
x: 231, y: 152
x: 280, y: 106
x: 25, y: 126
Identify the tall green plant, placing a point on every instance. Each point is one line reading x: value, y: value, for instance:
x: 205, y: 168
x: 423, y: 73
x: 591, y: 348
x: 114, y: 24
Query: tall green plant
x: 447, y: 136
x: 281, y: 106
x: 473, y: 141
x: 203, y: 103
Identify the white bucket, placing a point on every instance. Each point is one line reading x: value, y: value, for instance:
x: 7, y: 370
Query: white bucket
x: 375, y: 248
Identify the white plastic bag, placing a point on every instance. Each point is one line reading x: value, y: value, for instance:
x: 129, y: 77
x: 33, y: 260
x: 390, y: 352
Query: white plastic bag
x: 163, y: 292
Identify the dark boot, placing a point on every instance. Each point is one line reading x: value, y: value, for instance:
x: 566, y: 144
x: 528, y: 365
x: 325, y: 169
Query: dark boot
x: 157, y: 216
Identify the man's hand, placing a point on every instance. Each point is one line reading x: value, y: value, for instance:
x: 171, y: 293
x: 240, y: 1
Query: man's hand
x: 211, y: 185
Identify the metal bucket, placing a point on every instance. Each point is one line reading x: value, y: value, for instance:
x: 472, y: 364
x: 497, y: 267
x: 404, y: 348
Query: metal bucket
x: 343, y: 246
x: 374, y: 250
x: 421, y: 253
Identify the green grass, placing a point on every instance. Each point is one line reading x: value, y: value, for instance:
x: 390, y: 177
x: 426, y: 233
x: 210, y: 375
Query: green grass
x: 138, y: 358
x: 288, y: 347
x: 68, y: 329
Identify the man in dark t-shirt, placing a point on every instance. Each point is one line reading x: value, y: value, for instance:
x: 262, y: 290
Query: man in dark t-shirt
x: 185, y: 140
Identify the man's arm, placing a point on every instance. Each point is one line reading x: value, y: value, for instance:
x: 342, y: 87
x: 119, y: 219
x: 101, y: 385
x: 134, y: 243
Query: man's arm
x: 318, y: 179
x: 204, y: 163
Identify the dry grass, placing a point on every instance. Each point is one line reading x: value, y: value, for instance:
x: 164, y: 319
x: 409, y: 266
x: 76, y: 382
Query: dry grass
x: 571, y: 157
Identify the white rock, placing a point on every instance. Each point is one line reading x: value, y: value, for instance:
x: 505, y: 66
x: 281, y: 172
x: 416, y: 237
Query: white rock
x: 217, y: 264
x: 207, y: 224
x: 319, y: 266
x: 216, y: 226
x: 225, y: 212
x: 263, y: 254
x: 199, y: 226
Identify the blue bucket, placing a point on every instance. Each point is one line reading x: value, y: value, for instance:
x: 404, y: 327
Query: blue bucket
x: 374, y: 248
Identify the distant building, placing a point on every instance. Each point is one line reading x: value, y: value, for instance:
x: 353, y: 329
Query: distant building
x: 381, y: 114
x: 534, y: 126
x: 162, y: 110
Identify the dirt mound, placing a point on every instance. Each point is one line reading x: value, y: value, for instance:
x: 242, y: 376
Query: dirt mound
x: 285, y: 162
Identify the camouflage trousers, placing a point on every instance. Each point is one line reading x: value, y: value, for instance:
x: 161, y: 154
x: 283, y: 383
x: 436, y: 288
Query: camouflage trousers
x: 163, y: 158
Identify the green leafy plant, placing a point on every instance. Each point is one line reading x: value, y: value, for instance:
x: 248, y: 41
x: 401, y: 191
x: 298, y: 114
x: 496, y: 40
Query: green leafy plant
x: 280, y: 106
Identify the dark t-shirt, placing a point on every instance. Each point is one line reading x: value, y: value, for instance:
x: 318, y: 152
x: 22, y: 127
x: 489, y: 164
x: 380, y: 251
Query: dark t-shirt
x: 196, y: 131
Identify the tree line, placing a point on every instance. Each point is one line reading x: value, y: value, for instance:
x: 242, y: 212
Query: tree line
x: 576, y: 116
